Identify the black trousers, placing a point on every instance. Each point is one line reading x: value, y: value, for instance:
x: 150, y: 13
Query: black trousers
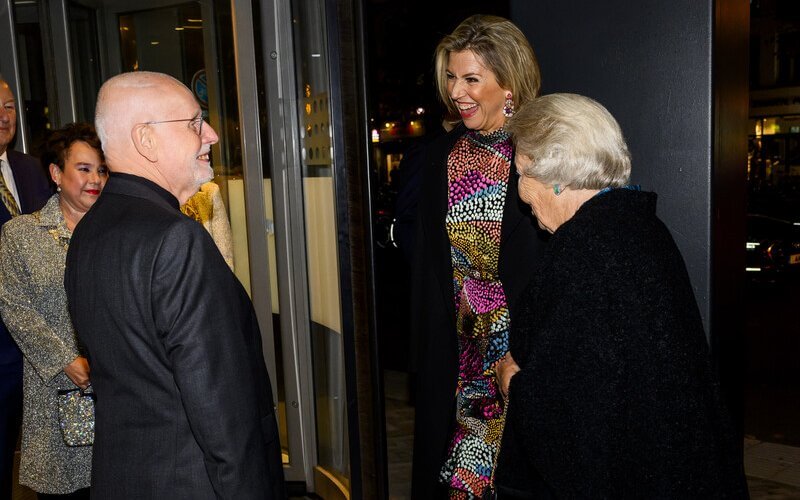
x: 10, y: 420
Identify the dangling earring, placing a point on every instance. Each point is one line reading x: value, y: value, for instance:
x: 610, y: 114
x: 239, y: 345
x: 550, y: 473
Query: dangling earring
x: 58, y: 188
x: 508, y: 109
x: 557, y: 189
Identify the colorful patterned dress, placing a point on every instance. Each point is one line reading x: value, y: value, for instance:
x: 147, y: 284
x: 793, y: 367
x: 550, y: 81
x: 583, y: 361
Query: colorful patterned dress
x: 478, y: 170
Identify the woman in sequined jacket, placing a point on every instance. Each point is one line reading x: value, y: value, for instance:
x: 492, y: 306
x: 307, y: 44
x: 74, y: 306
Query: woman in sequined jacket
x: 34, y: 307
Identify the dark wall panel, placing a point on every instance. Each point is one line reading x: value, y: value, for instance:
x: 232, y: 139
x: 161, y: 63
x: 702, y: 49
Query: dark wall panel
x: 649, y: 63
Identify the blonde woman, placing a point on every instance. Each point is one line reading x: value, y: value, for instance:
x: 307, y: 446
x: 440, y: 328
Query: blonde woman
x: 472, y: 232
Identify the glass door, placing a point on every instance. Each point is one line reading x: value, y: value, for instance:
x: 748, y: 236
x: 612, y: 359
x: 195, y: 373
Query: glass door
x: 260, y: 70
x: 318, y: 170
x: 297, y: 124
x: 200, y: 43
x: 273, y: 164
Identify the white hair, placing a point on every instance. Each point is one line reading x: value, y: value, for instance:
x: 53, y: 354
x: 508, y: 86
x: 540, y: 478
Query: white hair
x: 571, y: 140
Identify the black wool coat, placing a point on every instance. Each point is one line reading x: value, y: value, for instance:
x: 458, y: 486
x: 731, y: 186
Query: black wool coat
x: 433, y: 307
x: 616, y: 397
x: 184, y: 402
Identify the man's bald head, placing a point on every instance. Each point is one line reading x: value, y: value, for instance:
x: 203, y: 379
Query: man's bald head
x: 151, y: 126
x: 128, y: 99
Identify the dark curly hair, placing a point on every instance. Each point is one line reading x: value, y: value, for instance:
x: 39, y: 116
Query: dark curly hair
x: 58, y: 143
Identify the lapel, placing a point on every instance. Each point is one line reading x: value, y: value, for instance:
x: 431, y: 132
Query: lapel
x: 18, y: 170
x: 19, y: 167
x: 5, y: 215
x: 514, y: 211
x: 433, y: 211
x: 27, y: 173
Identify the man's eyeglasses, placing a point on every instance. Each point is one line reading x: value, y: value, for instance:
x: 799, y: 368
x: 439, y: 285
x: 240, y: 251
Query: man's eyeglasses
x: 195, y: 124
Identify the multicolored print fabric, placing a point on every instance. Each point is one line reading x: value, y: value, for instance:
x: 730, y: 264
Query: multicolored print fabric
x: 478, y: 170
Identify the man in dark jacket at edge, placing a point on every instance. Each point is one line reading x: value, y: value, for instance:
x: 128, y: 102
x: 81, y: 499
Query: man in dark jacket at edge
x: 23, y: 189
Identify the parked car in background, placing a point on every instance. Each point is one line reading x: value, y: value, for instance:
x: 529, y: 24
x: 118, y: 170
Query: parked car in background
x: 773, y: 248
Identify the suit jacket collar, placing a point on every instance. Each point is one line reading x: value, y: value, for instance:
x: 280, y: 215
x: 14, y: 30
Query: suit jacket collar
x: 139, y: 187
x: 51, y: 218
x: 16, y: 161
x: 434, y: 212
x: 515, y: 210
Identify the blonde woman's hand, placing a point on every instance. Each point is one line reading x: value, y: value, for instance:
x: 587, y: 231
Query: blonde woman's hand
x: 78, y: 372
x: 504, y: 370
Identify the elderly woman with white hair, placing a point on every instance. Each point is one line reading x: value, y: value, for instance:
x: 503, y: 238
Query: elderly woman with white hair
x: 611, y: 392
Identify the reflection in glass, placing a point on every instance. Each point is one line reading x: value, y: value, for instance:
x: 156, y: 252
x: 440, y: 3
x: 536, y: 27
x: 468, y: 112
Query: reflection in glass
x: 321, y: 242
x: 85, y: 54
x: 32, y: 98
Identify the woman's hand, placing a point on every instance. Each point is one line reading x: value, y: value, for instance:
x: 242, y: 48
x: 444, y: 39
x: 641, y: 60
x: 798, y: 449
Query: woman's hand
x: 504, y: 370
x: 78, y: 372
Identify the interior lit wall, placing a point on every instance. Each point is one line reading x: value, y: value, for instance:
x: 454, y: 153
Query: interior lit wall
x: 320, y: 221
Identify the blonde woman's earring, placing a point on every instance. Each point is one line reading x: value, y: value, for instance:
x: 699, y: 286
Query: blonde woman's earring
x: 508, y: 109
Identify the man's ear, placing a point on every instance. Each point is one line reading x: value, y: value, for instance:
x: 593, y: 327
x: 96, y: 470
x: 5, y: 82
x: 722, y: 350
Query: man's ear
x: 145, y: 142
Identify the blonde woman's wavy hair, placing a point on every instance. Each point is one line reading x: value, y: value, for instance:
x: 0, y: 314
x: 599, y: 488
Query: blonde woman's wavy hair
x: 501, y: 47
x: 571, y: 140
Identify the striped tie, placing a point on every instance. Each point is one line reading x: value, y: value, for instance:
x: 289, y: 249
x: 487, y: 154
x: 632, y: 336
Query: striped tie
x: 7, y: 197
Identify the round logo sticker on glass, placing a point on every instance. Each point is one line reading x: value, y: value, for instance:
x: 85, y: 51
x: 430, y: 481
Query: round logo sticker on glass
x: 200, y: 87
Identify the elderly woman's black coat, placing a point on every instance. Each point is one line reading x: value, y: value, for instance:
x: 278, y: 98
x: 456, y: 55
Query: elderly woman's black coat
x: 433, y: 314
x: 616, y: 397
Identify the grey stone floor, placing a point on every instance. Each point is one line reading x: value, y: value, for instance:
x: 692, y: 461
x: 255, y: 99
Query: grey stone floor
x: 773, y: 470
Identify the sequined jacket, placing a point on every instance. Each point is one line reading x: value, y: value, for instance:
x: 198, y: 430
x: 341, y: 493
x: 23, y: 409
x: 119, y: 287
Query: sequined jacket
x: 34, y: 307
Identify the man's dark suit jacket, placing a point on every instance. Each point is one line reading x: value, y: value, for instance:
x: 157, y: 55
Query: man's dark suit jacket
x: 34, y: 190
x: 184, y: 403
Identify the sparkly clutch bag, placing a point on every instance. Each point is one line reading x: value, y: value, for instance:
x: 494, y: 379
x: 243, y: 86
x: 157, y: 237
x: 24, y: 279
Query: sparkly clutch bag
x: 76, y: 416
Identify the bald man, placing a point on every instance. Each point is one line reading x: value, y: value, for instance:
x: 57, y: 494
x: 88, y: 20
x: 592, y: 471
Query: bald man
x: 23, y: 189
x: 184, y: 402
